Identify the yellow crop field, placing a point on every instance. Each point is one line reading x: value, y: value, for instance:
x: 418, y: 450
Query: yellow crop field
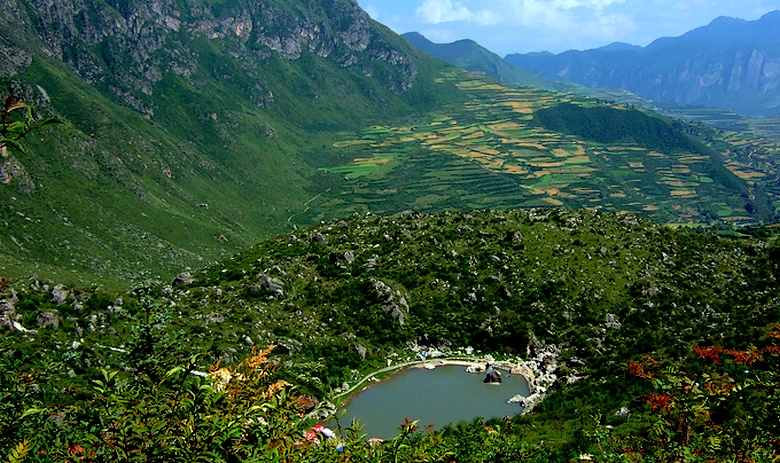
x: 545, y: 165
x: 350, y: 143
x: 371, y: 161
x: 553, y: 201
x: 691, y: 159
x: 745, y: 174
x: 514, y: 169
x: 683, y: 194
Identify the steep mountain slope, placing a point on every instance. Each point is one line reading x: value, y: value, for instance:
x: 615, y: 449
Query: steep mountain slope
x: 730, y: 63
x: 195, y: 129
x: 184, y: 123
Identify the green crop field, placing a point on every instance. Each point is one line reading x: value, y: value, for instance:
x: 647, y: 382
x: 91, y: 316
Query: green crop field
x: 492, y: 152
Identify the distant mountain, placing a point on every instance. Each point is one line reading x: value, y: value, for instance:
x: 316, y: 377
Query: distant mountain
x: 195, y: 129
x: 730, y: 63
x: 471, y: 56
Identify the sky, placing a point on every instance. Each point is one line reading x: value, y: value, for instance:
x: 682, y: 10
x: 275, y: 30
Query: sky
x: 522, y: 26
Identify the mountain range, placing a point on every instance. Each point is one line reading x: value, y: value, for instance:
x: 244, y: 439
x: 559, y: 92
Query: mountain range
x: 469, y: 55
x: 730, y: 63
x: 193, y: 130
x: 230, y: 174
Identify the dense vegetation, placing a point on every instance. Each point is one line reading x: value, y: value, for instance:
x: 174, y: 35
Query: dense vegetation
x: 675, y: 326
x: 646, y: 342
x: 606, y: 124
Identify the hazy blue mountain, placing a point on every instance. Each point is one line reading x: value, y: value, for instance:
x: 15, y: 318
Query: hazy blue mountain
x: 730, y: 63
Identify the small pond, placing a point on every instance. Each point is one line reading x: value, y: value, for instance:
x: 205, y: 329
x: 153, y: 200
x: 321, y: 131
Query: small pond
x: 446, y: 394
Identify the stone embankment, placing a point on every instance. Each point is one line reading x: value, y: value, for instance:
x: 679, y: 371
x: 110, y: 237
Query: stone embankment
x: 541, y: 373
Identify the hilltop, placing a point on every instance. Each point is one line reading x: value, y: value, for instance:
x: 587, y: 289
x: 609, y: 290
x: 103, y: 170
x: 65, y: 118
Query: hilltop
x: 601, y: 302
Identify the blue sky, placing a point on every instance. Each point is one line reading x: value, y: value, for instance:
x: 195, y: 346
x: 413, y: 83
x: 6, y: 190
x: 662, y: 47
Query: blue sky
x: 520, y: 26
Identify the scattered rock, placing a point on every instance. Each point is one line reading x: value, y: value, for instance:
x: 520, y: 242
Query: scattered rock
x: 15, y: 325
x: 214, y: 318
x: 287, y: 346
x: 318, y: 238
x: 342, y: 258
x: 361, y: 350
x: 513, y: 237
x: 612, y: 322
x: 183, y: 279
x: 48, y: 320
x: 475, y: 368
x: 7, y: 313
x: 270, y: 284
x: 59, y: 294
x: 392, y: 301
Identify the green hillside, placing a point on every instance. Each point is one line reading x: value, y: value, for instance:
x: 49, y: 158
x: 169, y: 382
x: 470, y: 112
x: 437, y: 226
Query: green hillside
x: 197, y: 166
x: 293, y: 174
x: 627, y: 327
x: 172, y: 157
x: 495, y: 151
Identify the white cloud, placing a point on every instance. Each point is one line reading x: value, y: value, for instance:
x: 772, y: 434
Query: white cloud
x: 373, y: 12
x: 442, y: 11
x: 551, y: 13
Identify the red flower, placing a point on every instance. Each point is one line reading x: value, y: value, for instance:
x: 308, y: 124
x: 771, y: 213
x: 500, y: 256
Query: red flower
x: 638, y: 369
x: 742, y: 357
x: 773, y: 350
x: 408, y: 425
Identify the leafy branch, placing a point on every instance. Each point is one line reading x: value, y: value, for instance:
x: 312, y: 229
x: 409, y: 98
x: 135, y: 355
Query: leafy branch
x: 14, y: 127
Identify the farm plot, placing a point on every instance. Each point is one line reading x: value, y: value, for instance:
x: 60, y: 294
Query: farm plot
x: 490, y: 153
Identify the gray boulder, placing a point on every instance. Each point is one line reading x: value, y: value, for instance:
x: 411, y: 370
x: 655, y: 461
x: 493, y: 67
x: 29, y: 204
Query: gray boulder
x: 59, y: 294
x: 392, y: 301
x: 273, y: 285
x: 612, y: 322
x: 342, y: 258
x: 48, y: 320
x: 182, y: 279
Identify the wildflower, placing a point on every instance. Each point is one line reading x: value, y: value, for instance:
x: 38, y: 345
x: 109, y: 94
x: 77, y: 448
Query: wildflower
x: 311, y: 435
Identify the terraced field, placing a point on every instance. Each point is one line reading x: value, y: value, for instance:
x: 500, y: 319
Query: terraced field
x: 490, y: 152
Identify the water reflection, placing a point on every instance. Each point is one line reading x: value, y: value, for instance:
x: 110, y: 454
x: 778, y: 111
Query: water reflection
x: 446, y: 394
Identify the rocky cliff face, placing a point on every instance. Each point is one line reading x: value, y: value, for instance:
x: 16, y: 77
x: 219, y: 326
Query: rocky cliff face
x: 729, y: 63
x: 129, y: 45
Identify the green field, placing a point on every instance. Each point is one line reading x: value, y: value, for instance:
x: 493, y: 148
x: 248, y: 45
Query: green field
x: 490, y: 153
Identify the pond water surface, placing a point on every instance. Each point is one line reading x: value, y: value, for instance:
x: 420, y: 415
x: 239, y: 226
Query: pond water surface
x: 446, y: 394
